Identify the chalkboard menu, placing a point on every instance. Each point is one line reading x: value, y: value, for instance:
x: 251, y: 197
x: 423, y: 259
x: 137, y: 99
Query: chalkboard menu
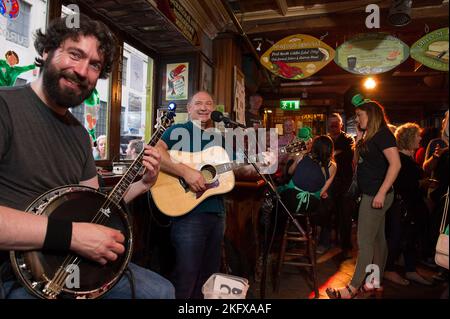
x: 371, y: 53
x: 297, y: 57
x: 432, y: 50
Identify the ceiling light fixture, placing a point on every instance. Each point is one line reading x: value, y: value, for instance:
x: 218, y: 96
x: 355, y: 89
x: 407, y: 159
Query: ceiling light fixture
x: 370, y: 83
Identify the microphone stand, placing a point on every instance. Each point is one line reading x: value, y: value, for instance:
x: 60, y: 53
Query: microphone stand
x: 271, y: 191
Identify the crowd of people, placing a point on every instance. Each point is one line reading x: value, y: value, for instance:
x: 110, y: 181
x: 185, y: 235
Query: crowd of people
x: 402, y: 178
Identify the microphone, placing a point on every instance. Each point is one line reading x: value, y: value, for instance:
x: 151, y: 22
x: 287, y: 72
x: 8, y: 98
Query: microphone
x: 217, y: 116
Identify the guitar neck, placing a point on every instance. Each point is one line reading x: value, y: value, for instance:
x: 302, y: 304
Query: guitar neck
x: 226, y: 167
x: 119, y: 190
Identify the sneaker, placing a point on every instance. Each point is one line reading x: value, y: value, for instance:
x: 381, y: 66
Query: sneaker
x: 414, y: 276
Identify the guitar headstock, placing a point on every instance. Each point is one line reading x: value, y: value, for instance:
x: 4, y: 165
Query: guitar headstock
x: 295, y: 146
x: 167, y: 117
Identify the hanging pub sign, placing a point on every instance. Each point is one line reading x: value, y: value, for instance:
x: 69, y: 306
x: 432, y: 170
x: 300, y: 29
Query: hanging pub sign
x: 432, y: 50
x: 371, y: 53
x: 297, y: 57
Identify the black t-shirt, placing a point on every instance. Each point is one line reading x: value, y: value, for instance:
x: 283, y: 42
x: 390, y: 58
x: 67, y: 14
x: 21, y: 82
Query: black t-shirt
x: 407, y: 182
x: 372, y: 164
x: 39, y: 149
x: 343, y: 178
x: 252, y: 119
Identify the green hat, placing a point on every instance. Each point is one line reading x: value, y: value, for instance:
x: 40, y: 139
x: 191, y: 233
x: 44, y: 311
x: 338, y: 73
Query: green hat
x: 359, y: 100
x: 305, y: 133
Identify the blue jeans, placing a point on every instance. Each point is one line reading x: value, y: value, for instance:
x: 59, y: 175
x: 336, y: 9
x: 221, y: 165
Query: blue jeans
x: 147, y: 284
x: 197, y: 239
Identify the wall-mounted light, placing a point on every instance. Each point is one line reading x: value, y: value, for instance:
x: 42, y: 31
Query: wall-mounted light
x: 267, y: 111
x: 258, y: 48
x: 370, y: 83
x: 260, y: 43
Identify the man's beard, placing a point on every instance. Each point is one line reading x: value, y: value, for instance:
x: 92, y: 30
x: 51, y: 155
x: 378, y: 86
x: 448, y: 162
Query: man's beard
x: 63, y: 97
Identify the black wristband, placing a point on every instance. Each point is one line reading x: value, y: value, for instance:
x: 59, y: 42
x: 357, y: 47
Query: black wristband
x: 59, y: 235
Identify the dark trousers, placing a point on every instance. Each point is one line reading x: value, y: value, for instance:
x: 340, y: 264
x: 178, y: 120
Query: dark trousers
x: 197, y: 239
x: 401, y: 235
x: 344, y: 206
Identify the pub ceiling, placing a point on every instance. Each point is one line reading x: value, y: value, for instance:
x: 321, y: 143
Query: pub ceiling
x: 260, y: 23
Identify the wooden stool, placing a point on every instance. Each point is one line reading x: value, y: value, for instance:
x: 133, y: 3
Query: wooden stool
x: 304, y: 247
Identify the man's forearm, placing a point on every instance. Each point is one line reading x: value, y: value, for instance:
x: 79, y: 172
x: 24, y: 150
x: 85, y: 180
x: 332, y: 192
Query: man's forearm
x: 20, y: 230
x: 136, y: 189
x: 170, y: 166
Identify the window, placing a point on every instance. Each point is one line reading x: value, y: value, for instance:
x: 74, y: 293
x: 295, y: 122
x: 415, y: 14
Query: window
x: 95, y: 117
x: 135, y: 121
x: 19, y: 28
x: 124, y: 71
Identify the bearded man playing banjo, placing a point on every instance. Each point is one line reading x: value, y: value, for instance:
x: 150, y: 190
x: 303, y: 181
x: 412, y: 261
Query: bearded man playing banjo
x: 43, y: 147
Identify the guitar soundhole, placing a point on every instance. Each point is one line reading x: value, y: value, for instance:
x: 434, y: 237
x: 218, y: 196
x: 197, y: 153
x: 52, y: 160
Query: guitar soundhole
x: 209, y: 173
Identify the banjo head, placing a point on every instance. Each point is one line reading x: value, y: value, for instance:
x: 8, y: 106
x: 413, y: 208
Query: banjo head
x: 84, y: 278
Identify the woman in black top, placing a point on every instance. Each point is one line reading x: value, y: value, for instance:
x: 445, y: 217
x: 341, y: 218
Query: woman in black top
x: 409, y: 212
x: 378, y: 164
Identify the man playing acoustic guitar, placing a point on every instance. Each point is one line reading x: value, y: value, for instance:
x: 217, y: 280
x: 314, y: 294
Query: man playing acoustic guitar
x: 197, y: 235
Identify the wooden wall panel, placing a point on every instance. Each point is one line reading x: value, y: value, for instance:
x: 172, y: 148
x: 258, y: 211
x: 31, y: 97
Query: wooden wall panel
x: 227, y: 54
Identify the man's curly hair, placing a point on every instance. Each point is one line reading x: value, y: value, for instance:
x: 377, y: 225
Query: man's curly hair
x: 57, y: 32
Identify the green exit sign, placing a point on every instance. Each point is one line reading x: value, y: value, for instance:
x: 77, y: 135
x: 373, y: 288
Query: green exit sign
x: 290, y: 105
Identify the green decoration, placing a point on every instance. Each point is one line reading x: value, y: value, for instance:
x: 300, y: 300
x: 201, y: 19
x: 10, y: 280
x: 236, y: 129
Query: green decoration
x: 93, y: 99
x: 9, y: 74
x: 92, y: 133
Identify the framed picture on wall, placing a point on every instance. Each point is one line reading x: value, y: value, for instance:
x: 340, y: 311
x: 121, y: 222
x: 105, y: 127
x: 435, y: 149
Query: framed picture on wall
x: 177, y: 81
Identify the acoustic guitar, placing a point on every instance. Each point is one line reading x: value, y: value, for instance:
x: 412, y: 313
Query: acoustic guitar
x: 172, y: 194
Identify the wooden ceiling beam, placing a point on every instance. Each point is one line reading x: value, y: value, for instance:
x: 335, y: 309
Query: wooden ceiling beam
x: 210, y: 15
x: 310, y: 10
x: 430, y: 14
x: 282, y: 6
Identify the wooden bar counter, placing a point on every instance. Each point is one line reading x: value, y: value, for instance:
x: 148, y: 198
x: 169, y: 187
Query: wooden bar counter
x: 242, y: 232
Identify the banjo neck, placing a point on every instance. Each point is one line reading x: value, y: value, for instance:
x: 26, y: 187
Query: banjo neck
x: 118, y: 192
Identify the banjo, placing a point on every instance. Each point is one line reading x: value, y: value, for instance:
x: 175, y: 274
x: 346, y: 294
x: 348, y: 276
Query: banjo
x: 52, y: 275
